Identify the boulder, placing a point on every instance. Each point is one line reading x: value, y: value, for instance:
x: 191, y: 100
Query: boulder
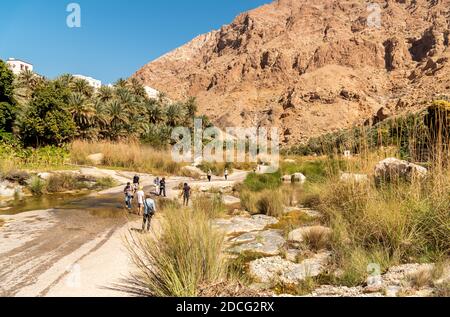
x: 294, y: 178
x: 244, y: 224
x: 96, y: 159
x: 299, y: 178
x: 355, y: 178
x: 392, y: 168
x: 276, y: 269
x: 230, y: 200
x: 268, y: 242
x: 44, y: 176
x: 9, y: 190
x: 299, y: 234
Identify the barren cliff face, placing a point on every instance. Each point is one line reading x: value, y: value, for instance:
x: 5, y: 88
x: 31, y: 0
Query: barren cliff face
x: 312, y: 66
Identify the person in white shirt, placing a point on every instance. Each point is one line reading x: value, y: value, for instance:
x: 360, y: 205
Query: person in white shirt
x: 149, y: 211
x: 140, y: 200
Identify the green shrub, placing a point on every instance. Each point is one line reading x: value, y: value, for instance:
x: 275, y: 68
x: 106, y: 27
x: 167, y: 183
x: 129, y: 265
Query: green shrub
x: 37, y: 186
x: 105, y: 182
x: 258, y: 182
x: 64, y: 182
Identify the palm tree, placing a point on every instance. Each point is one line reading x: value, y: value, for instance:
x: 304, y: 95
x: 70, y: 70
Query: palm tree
x: 162, y: 98
x: 121, y: 83
x: 137, y: 88
x: 118, y: 118
x: 81, y: 86
x: 66, y: 80
x: 174, y: 115
x: 154, y: 112
x: 82, y: 111
x: 100, y: 117
x: 105, y: 94
x: 124, y: 96
x: 191, y: 107
x: 26, y: 84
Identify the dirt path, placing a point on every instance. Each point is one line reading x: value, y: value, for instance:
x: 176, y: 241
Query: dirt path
x: 77, y: 250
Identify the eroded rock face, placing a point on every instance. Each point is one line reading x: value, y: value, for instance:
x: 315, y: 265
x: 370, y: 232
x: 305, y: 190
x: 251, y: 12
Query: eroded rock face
x: 267, y: 242
x: 243, y: 224
x: 268, y: 270
x: 392, y: 168
x: 310, y: 68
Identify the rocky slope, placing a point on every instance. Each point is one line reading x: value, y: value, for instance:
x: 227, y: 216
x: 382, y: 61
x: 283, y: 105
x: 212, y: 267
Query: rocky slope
x: 311, y: 67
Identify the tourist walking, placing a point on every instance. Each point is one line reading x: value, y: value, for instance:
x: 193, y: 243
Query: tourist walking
x: 156, y: 182
x: 149, y: 211
x: 128, y: 192
x: 186, y: 194
x: 226, y: 174
x: 162, y: 187
x: 136, y: 180
x: 209, y: 175
x: 140, y: 200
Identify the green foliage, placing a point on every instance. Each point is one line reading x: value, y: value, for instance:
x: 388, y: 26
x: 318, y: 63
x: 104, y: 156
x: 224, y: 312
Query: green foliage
x: 8, y: 109
x: 37, y: 186
x: 258, y: 182
x: 414, y: 134
x: 46, y: 120
x: 64, y: 182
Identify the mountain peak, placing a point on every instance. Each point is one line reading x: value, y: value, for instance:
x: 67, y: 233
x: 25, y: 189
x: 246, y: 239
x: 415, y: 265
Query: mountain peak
x: 312, y: 67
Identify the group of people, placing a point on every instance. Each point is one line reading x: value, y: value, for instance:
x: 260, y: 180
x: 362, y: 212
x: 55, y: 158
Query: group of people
x: 209, y: 175
x: 146, y: 203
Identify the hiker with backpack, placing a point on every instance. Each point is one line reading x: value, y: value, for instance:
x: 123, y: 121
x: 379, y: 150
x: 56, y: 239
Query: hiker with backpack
x: 149, y: 211
x: 162, y: 187
x: 128, y: 192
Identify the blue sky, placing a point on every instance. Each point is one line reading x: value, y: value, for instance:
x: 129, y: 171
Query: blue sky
x: 116, y: 37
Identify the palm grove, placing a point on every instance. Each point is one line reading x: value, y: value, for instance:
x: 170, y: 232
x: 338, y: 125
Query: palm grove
x: 40, y: 112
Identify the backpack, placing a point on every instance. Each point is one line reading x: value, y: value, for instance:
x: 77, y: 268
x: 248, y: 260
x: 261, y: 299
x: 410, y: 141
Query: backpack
x: 150, y: 209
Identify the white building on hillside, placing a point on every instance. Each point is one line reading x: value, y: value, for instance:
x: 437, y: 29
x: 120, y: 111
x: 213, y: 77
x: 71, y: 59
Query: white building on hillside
x: 151, y: 92
x: 92, y: 81
x: 17, y: 66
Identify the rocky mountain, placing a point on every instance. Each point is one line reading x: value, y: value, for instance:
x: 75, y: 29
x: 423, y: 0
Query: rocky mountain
x: 310, y: 67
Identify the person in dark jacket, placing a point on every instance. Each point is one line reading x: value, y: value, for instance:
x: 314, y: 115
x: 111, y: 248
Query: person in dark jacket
x: 186, y: 194
x: 162, y: 187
